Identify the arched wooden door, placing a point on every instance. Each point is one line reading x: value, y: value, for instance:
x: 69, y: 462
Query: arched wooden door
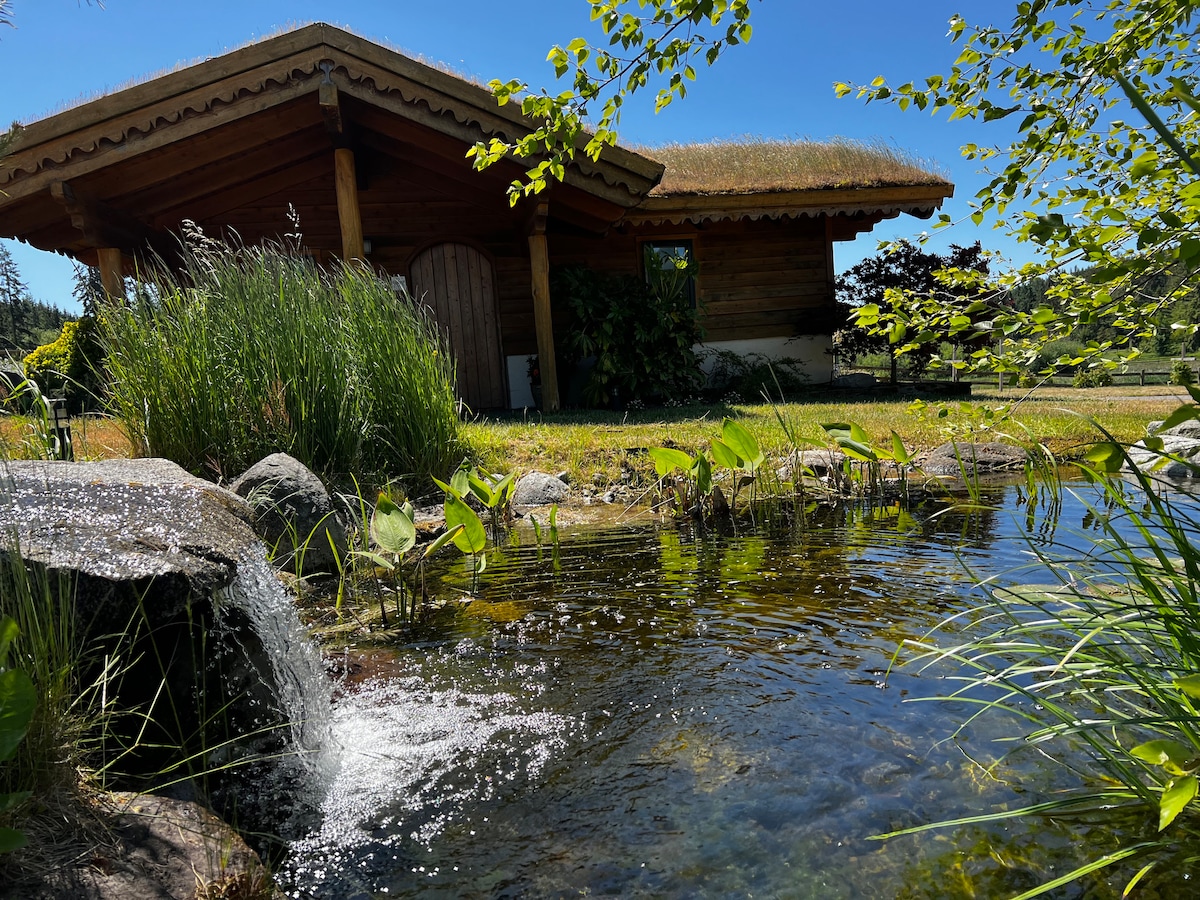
x: 457, y: 283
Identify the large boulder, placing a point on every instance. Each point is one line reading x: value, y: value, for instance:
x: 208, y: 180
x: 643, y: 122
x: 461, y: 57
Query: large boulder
x: 293, y: 514
x: 1179, y: 457
x: 132, y: 522
x: 956, y: 458
x: 175, y: 608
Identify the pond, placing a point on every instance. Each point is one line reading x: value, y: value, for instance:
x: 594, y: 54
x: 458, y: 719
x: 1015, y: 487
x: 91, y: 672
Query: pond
x: 642, y: 710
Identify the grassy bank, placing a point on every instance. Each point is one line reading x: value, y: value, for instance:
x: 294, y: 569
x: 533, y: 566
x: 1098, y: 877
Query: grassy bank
x: 594, y: 445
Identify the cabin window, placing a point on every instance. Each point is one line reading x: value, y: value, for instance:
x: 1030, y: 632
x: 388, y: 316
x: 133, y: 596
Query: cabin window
x: 670, y: 268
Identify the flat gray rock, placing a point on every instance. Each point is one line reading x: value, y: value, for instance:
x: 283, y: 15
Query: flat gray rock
x: 131, y: 520
x: 539, y: 489
x: 954, y: 458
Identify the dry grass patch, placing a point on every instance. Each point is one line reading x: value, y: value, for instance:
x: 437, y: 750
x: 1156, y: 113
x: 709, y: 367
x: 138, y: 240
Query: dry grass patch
x: 95, y: 437
x: 750, y: 165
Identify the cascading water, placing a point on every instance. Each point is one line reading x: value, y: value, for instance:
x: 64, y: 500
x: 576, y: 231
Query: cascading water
x: 272, y: 752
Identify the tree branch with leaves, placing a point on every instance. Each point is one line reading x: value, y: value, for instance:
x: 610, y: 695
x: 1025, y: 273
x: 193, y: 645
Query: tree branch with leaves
x: 655, y: 43
x: 1100, y: 174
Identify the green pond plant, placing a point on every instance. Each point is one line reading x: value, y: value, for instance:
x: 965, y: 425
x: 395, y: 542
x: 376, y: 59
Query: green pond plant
x: 18, y: 699
x: 254, y: 350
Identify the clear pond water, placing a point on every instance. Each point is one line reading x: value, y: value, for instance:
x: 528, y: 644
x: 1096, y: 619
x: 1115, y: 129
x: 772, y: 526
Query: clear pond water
x: 648, y: 711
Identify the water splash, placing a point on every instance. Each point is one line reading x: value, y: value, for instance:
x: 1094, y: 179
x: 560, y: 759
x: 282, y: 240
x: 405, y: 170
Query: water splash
x: 413, y: 760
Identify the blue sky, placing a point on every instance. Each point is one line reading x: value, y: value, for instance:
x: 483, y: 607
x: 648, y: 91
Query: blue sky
x: 777, y: 86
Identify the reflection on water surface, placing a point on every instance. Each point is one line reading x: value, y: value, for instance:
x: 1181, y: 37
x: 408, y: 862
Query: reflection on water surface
x: 647, y: 711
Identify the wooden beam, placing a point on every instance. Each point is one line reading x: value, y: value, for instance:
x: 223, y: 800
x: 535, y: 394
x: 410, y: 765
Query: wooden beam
x: 104, y: 226
x: 539, y: 263
x: 830, y: 270
x: 349, y: 217
x: 331, y: 110
x: 112, y: 272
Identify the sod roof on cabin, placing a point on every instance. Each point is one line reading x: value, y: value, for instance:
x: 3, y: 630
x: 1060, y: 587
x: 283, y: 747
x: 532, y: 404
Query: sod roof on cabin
x: 759, y: 166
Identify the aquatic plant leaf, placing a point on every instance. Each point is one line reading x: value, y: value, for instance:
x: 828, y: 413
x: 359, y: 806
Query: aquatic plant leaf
x: 1171, y: 755
x: 742, y: 442
x: 461, y: 483
x: 723, y: 455
x: 472, y: 538
x: 703, y: 474
x: 391, y: 529
x: 382, y: 561
x: 1178, y: 794
x: 17, y: 701
x: 667, y: 460
x: 11, y: 839
x: 1106, y: 456
x: 852, y: 440
x: 1190, y: 685
x: 442, y: 540
x: 900, y: 453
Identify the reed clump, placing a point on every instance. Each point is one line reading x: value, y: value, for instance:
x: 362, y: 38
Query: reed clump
x: 255, y: 350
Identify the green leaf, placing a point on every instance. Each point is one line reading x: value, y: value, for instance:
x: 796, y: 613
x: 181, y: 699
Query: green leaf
x: 1190, y: 685
x: 702, y: 471
x: 1163, y: 752
x: 1178, y: 794
x: 899, y: 453
x: 667, y: 460
x: 18, y: 698
x: 382, y: 561
x: 1106, y: 456
x: 11, y: 839
x: 1144, y: 164
x: 723, y: 455
x: 391, y: 529
x: 473, y: 536
x: 442, y: 540
x: 742, y: 442
x: 1184, y: 413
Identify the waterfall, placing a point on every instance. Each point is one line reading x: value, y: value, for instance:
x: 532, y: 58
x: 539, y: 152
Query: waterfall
x: 283, y: 754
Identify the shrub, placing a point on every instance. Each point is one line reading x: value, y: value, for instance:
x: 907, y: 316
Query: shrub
x: 753, y: 376
x: 255, y: 350
x: 70, y: 366
x: 641, y: 338
x: 1181, y: 373
x: 1091, y: 378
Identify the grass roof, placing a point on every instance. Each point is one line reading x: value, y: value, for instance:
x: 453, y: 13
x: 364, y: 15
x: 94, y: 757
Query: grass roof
x: 753, y: 165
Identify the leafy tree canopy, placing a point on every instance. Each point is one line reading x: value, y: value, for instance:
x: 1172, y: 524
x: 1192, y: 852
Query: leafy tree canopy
x: 900, y: 272
x: 650, y: 43
x: 1102, y: 172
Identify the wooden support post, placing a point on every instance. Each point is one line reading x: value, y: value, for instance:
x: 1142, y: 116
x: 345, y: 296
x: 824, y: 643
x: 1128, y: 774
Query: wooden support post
x: 112, y: 273
x: 539, y: 262
x: 346, y: 183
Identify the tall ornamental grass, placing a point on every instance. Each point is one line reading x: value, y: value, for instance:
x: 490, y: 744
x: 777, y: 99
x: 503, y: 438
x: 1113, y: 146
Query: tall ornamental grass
x: 255, y: 350
x: 1099, y: 670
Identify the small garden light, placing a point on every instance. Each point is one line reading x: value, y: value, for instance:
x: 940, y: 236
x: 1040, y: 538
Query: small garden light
x: 60, y: 422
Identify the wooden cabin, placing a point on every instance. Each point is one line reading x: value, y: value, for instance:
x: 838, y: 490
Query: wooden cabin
x: 367, y: 146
